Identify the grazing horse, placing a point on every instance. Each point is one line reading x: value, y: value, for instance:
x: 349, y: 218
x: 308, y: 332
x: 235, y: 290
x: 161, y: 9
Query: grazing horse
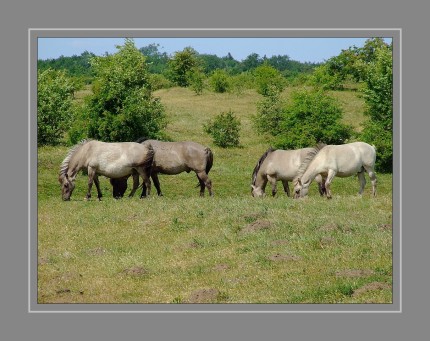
x: 113, y: 160
x: 172, y: 158
x: 338, y: 160
x: 279, y: 165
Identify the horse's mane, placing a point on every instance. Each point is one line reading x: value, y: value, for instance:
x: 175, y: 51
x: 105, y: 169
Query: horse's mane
x: 65, y: 164
x: 309, y: 157
x: 259, y: 163
x: 141, y: 139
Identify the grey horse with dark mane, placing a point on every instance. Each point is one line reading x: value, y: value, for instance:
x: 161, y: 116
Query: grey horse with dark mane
x: 172, y: 158
x: 279, y: 165
x: 113, y: 160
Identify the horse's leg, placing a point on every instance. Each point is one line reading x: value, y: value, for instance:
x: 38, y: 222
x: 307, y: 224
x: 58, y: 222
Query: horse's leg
x: 135, y: 184
x: 372, y: 176
x: 145, y: 174
x: 203, y: 178
x: 154, y: 177
x: 99, y: 192
x: 272, y: 181
x: 286, y: 187
x: 362, y: 181
x: 321, y: 187
x: 91, y: 176
x: 330, y: 176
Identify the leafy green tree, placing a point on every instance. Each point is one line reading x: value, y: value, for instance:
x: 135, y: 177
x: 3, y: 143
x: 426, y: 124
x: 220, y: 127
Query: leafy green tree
x: 267, y: 77
x: 220, y: 81
x: 224, y: 129
x: 182, y: 64
x: 378, y: 96
x: 270, y: 113
x: 251, y: 62
x: 122, y: 107
x: 311, y: 117
x: 54, y: 105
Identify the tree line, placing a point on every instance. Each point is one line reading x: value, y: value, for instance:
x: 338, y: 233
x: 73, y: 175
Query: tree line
x: 122, y: 107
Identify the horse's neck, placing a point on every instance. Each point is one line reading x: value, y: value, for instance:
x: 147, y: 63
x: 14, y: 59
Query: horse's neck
x: 310, y: 173
x: 260, y: 179
x: 75, y: 165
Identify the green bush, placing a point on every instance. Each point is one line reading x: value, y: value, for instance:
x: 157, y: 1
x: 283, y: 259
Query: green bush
x: 310, y: 118
x: 224, y: 129
x: 270, y: 113
x: 378, y: 96
x: 196, y: 79
x: 219, y: 81
x: 267, y: 78
x: 54, y: 105
x: 121, y: 107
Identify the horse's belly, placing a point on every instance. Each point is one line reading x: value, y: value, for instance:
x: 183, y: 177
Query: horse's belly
x: 170, y: 169
x: 113, y: 171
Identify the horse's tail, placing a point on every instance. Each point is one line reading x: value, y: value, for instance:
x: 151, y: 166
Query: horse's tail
x: 209, y: 159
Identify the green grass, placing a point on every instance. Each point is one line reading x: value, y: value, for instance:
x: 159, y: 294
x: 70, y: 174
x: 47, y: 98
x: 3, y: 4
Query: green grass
x: 162, y: 249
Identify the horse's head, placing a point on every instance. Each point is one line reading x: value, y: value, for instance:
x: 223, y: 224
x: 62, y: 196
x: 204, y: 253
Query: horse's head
x: 257, y: 191
x: 300, y: 189
x: 67, y: 186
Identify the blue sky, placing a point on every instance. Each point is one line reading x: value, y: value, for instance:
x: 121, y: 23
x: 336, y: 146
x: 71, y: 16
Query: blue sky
x: 300, y: 49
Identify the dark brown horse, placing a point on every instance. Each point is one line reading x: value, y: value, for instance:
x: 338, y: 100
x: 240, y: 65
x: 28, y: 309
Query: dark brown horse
x: 172, y: 158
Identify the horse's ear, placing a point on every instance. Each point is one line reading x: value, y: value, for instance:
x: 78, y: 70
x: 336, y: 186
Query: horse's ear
x: 299, y: 181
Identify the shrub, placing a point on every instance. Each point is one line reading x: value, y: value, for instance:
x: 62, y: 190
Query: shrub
x: 196, y: 81
x: 224, y: 129
x: 122, y: 107
x: 220, y: 81
x: 310, y: 118
x: 378, y: 96
x: 267, y: 78
x: 54, y: 105
x: 270, y: 113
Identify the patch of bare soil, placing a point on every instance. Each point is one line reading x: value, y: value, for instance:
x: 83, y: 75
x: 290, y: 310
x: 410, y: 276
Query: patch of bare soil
x: 221, y: 267
x: 279, y: 242
x: 98, y: 251
x: 280, y: 257
x: 204, y: 296
x: 255, y: 226
x: 135, y: 271
x: 371, y: 287
x: 385, y: 227
x: 354, y: 273
x: 43, y: 260
x: 329, y: 227
x: 326, y: 241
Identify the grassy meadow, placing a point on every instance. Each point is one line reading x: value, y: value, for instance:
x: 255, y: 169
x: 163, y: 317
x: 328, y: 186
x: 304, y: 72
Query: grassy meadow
x: 230, y: 248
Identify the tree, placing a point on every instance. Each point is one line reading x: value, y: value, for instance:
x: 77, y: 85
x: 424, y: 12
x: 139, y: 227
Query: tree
x: 267, y: 77
x: 378, y: 96
x: 182, y: 64
x: 54, y: 105
x: 312, y: 116
x: 224, y: 129
x: 122, y: 107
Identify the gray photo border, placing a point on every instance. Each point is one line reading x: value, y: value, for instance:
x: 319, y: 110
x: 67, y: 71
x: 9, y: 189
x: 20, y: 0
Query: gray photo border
x: 395, y: 307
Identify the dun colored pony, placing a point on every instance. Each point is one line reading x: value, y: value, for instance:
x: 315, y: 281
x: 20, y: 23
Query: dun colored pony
x: 113, y: 160
x: 279, y: 165
x: 172, y: 158
x: 338, y: 160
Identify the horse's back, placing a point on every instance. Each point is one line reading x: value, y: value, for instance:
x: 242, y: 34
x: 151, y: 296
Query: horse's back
x: 177, y: 157
x: 284, y: 164
x: 346, y: 158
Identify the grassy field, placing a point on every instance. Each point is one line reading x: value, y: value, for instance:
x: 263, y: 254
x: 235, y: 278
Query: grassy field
x: 230, y: 248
